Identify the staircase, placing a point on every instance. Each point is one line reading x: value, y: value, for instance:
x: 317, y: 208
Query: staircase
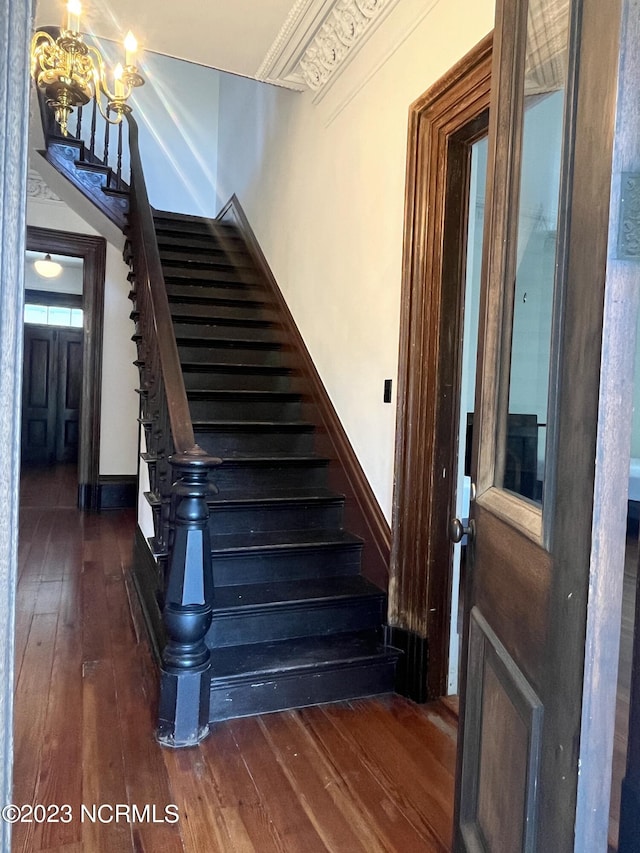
x: 253, y: 589
x: 294, y: 621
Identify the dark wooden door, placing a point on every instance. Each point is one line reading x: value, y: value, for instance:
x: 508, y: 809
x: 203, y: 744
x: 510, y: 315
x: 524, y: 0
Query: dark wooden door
x: 528, y: 759
x: 69, y: 394
x: 52, y: 389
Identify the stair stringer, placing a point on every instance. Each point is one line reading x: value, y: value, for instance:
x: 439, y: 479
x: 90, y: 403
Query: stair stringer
x: 75, y: 199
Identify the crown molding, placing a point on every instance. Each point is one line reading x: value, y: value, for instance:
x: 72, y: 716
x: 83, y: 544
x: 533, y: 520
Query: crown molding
x: 272, y: 66
x: 318, y: 39
x: 38, y: 189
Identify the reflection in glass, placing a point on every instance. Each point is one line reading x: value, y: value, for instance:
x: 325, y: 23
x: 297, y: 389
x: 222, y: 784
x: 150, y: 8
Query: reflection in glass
x: 521, y: 455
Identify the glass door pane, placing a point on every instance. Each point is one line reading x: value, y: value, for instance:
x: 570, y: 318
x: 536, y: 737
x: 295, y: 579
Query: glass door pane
x: 521, y: 451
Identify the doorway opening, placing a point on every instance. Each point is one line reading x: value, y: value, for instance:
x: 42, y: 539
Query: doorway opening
x: 52, y: 371
x: 467, y: 384
x: 79, y: 426
x: 443, y: 237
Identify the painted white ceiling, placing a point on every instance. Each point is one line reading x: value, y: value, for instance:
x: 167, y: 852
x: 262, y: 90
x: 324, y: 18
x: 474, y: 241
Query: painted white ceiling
x: 232, y: 35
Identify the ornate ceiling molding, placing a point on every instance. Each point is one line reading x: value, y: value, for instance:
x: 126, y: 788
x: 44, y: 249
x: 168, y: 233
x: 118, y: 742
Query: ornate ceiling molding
x: 38, y: 189
x: 275, y: 52
x: 318, y: 39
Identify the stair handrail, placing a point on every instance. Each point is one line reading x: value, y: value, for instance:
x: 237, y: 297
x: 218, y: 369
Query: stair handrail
x: 148, y: 271
x: 183, y: 710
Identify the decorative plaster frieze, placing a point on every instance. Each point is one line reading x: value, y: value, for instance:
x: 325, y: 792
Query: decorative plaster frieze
x: 346, y: 24
x: 38, y: 189
x: 316, y: 39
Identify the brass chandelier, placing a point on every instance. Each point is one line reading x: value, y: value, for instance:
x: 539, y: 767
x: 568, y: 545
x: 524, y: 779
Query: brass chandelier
x: 71, y: 73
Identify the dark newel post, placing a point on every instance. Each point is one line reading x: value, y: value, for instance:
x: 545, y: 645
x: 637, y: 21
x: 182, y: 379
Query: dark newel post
x: 183, y: 717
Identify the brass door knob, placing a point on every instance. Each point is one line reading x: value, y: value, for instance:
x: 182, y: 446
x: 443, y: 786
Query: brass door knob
x: 457, y: 530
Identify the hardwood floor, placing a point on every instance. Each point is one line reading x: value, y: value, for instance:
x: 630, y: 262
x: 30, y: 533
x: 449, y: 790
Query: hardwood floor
x: 374, y: 775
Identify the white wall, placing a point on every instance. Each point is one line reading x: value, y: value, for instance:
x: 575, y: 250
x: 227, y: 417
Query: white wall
x: 119, y: 411
x: 177, y: 113
x: 323, y: 187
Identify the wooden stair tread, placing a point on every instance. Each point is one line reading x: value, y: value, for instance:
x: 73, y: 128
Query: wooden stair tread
x: 282, y: 541
x: 222, y: 367
x: 283, y: 594
x: 244, y: 497
x: 207, y: 277
x: 241, y: 394
x: 211, y: 320
x: 280, y: 461
x: 238, y: 343
x: 181, y: 301
x: 246, y: 426
x: 188, y: 260
x: 302, y: 653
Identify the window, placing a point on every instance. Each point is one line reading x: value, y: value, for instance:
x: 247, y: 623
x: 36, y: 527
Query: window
x: 53, y: 315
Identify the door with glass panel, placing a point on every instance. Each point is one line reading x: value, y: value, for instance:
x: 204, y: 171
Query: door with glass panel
x: 535, y: 425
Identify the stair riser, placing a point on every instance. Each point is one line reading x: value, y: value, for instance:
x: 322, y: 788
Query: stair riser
x: 298, y: 690
x: 209, y: 314
x: 227, y: 443
x: 228, y: 332
x: 241, y: 381
x: 216, y: 231
x: 187, y: 290
x: 239, y: 410
x: 183, y: 261
x: 189, y: 275
x: 259, y: 518
x: 228, y: 354
x: 285, y: 623
x: 271, y: 567
x: 201, y: 254
x: 213, y: 242
x: 286, y: 476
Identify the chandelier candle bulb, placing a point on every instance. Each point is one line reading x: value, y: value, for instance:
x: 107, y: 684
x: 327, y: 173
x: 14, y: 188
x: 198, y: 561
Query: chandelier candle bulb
x: 74, y: 10
x: 118, y: 71
x: 130, y: 48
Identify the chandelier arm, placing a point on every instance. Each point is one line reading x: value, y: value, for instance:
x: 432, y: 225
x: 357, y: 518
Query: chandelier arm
x: 39, y: 37
x: 104, y: 115
x: 100, y: 76
x: 37, y: 45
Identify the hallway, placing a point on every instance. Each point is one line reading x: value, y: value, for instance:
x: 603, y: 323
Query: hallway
x: 374, y: 775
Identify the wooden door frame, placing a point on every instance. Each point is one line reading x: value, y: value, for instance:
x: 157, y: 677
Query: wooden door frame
x: 443, y: 123
x: 93, y: 251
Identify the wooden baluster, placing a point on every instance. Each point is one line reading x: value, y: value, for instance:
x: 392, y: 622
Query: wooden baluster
x: 79, y: 123
x: 94, y: 113
x: 119, y: 167
x: 107, y: 128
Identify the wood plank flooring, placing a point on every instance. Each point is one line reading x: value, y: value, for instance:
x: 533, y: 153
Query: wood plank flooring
x: 368, y: 776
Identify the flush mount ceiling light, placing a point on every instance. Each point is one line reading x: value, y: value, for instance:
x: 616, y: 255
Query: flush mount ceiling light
x: 70, y: 73
x: 47, y: 268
